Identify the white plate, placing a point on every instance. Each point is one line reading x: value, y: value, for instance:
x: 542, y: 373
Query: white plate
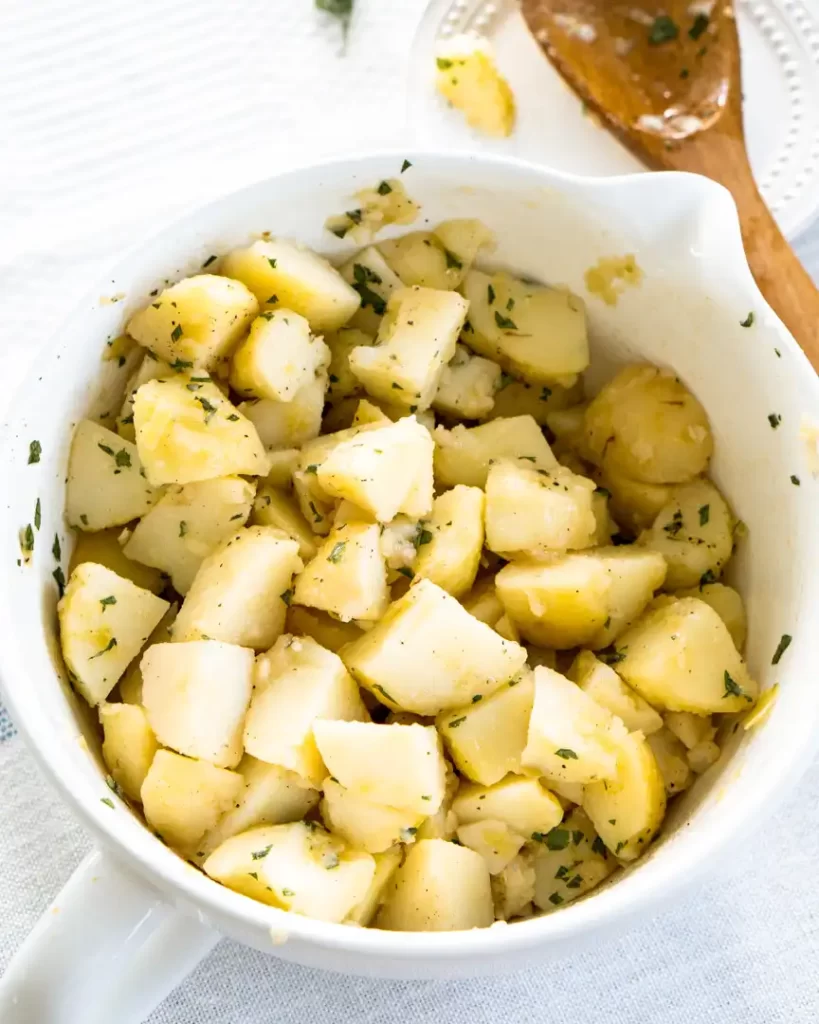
x: 780, y: 47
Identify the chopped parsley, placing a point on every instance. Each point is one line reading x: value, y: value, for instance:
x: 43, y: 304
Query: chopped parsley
x: 748, y: 321
x: 705, y: 514
x: 259, y: 854
x: 288, y: 892
x: 774, y: 419
x: 35, y: 450
x: 104, y: 447
x: 674, y: 527
x: 478, y: 697
x: 407, y: 572
x: 362, y: 278
x: 384, y: 693
x: 38, y: 515
x: 663, y: 30
x: 707, y: 577
x: 59, y: 579
x: 699, y: 26
x: 273, y: 300
x: 781, y: 647
x: 208, y: 261
x: 176, y: 333
x: 107, y: 601
x: 107, y: 801
x: 556, y: 899
x: 732, y: 687
x: 490, y: 294
x: 405, y: 166
x: 504, y: 322
x: 555, y: 839
x: 422, y: 537
x: 452, y: 261
x: 56, y: 550
x: 233, y: 417
x: 443, y: 64
x: 337, y: 553
x: 208, y: 407
x: 271, y: 262
x: 312, y: 468
x: 287, y: 597
x: 795, y: 481
x: 354, y: 215
x: 181, y: 364
x: 599, y: 847
x: 27, y: 539
x: 613, y: 657
x: 112, y: 643
x: 123, y: 459
x: 456, y: 722
x: 545, y: 394
x: 384, y: 188
x: 183, y: 527
x: 566, y: 753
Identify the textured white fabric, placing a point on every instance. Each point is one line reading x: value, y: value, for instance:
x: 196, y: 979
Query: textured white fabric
x: 116, y: 116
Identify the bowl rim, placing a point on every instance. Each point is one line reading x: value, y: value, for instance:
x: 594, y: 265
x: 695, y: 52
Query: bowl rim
x: 159, y: 865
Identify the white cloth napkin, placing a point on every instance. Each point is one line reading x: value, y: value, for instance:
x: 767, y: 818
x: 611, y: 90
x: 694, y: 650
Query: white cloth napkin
x: 115, y: 117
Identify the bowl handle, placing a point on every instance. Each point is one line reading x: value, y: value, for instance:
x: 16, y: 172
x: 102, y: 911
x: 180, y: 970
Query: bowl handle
x: 109, y: 948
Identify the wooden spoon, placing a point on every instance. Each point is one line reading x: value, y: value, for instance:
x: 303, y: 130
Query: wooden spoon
x: 665, y: 78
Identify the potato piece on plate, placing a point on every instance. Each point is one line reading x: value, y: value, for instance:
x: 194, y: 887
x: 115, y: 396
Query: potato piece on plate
x: 535, y: 332
x: 536, y: 513
x: 196, y: 696
x: 386, y: 864
x: 187, y: 523
x: 524, y: 804
x: 130, y: 685
x: 513, y: 889
x: 468, y: 78
x: 680, y: 657
x: 196, y: 322
x: 467, y: 386
x: 104, y: 548
x: 297, y: 867
x: 517, y: 398
x: 420, y: 260
x: 282, y: 465
x: 366, y: 825
x: 647, y: 426
x: 571, y: 861
x: 348, y: 575
x: 634, y: 574
x: 281, y: 273
x: 450, y: 542
x: 493, y: 840
x: 187, y: 431
x: 296, y: 682
x: 672, y: 760
x: 106, y: 483
x: 463, y: 238
x: 289, y: 424
x: 128, y: 747
x: 604, y: 686
x: 239, y: 593
x: 150, y: 368
x: 395, y: 765
x: 727, y: 603
x: 278, y: 357
x: 628, y: 809
x: 183, y: 799
x: 319, y: 626
x: 343, y: 382
x: 464, y: 455
x: 483, y: 602
x: 375, y: 281
x: 274, y: 508
x: 689, y: 729
x: 439, y: 887
x: 635, y: 504
x: 416, y: 339
x: 571, y: 737
x: 454, y: 656
x: 104, y: 623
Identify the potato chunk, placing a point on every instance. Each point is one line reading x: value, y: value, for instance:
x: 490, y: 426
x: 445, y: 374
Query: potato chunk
x: 635, y: 504
x: 297, y: 682
x: 128, y: 747
x: 348, y: 575
x: 416, y: 339
x: 288, y: 424
x: 572, y: 860
x: 517, y: 398
x: 646, y: 425
x: 130, y: 684
x: 104, y: 622
x: 278, y: 357
x: 281, y: 273
x: 680, y: 656
x: 374, y: 280
x: 386, y: 864
x: 672, y: 761
x: 727, y: 603
x: 327, y: 631
x: 467, y: 386
x: 513, y: 889
x: 196, y: 322
x: 464, y: 455
x: 463, y: 238
x: 343, y: 382
x: 187, y: 430
x: 297, y: 867
x: 104, y: 548
x: 420, y: 259
x: 106, y: 484
x: 454, y: 656
x: 238, y: 594
x: 150, y: 368
x: 451, y: 540
x: 627, y: 810
x: 396, y: 765
x: 604, y: 686
x: 535, y: 332
x: 187, y: 524
x: 537, y: 512
x: 183, y: 799
x: 196, y: 696
x: 493, y: 840
x: 365, y: 825
x: 524, y: 804
x: 439, y: 887
x: 468, y: 78
x: 634, y: 574
x: 274, y: 508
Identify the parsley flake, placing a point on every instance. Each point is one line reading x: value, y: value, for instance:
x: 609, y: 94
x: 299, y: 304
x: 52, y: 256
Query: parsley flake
x: 748, y: 321
x: 112, y: 643
x: 774, y: 419
x: 35, y: 450
x: 287, y: 597
x: 59, y: 579
x: 405, y: 166
x: 384, y: 188
x: 781, y: 647
x: 566, y: 753
x: 107, y: 601
x: 705, y: 514
x: 457, y: 721
x: 504, y: 322
x: 38, y: 515
x: 700, y: 25
x: 663, y: 30
x: 56, y: 550
x: 176, y: 333
x: 337, y: 553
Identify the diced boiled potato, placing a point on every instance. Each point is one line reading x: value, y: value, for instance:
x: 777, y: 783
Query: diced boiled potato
x: 467, y: 386
x: 288, y: 424
x: 196, y: 322
x: 463, y: 238
x: 646, y: 425
x: 104, y: 622
x: 571, y: 737
x: 375, y: 281
x: 443, y: 823
x: 464, y: 455
x: 634, y: 574
x: 183, y: 799
x: 572, y: 862
x: 727, y: 603
x: 439, y: 887
x: 128, y: 747
x: 671, y: 757
x: 680, y: 657
x: 702, y: 756
x: 271, y: 796
x: 376, y: 208
x: 524, y: 804
x: 364, y: 824
x: 420, y: 260
x: 283, y: 464
x: 130, y: 685
x: 604, y: 686
x: 104, y: 548
x: 187, y: 523
x: 635, y: 504
x: 281, y: 273
x: 569, y: 793
x: 483, y: 603
x: 297, y: 867
x: 369, y: 412
x: 386, y: 864
x: 396, y: 765
x: 493, y: 840
x: 628, y: 810
x: 537, y: 512
x: 569, y: 427
x: 507, y: 629
x: 694, y: 532
x: 274, y: 508
x: 150, y: 368
x: 385, y: 470
x: 689, y: 729
x: 454, y: 656
x: 343, y: 382
x: 348, y: 575
x: 239, y: 595
x: 468, y: 78
x: 278, y: 357
x: 517, y: 398
x: 535, y: 332
x: 399, y: 543
x: 330, y: 633
x: 196, y: 696
x: 451, y: 540
x: 488, y: 735
x: 106, y: 484
x: 513, y: 889
x: 188, y: 431
x: 606, y: 528
x: 297, y: 682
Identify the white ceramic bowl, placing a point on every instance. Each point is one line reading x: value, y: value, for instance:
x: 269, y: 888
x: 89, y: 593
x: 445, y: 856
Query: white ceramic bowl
x: 686, y: 314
